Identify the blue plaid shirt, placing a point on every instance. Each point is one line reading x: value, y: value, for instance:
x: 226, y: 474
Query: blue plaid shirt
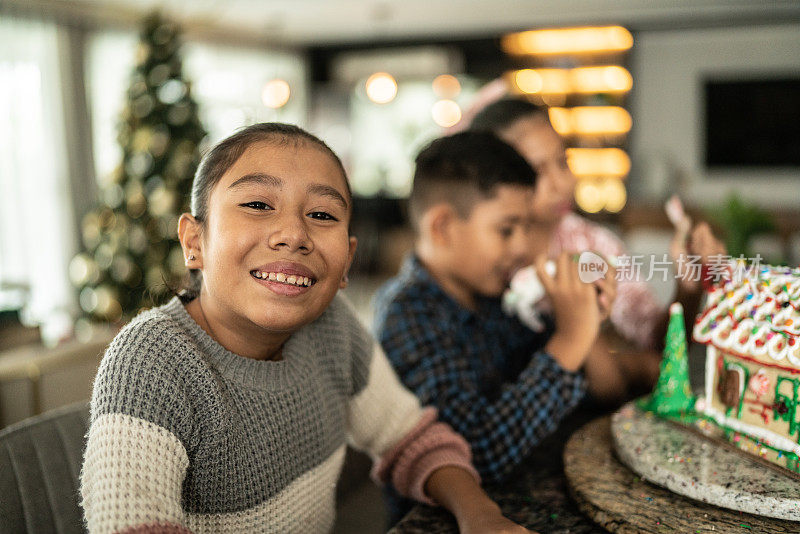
x: 485, y: 372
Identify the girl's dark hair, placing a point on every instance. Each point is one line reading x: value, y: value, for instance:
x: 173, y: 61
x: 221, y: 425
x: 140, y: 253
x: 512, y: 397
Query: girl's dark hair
x: 500, y: 115
x: 216, y: 162
x: 225, y: 153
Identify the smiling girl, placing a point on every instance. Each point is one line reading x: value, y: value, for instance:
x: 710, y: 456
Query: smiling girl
x: 229, y: 408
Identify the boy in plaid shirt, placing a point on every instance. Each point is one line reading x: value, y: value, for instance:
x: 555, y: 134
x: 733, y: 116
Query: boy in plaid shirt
x: 501, y: 385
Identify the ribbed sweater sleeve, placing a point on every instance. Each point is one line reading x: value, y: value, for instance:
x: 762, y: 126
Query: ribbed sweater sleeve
x: 387, y: 421
x: 136, y: 454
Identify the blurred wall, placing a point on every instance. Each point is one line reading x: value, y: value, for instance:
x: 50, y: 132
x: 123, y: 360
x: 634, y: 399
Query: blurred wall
x: 666, y: 141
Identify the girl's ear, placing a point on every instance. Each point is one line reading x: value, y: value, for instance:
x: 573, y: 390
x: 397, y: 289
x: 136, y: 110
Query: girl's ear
x: 351, y: 253
x: 189, y: 234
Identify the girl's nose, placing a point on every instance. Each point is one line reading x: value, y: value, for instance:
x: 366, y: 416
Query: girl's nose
x: 291, y: 234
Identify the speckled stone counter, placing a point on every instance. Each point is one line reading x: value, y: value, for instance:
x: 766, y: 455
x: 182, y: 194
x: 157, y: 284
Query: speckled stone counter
x: 596, y: 487
x: 620, y: 501
x: 689, y: 464
x: 537, y: 497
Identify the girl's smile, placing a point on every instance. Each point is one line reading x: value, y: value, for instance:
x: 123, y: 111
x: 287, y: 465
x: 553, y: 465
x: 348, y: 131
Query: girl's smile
x: 285, y: 278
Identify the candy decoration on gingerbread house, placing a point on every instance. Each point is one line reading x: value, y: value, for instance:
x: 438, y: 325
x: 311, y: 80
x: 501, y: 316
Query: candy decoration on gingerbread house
x: 751, y: 326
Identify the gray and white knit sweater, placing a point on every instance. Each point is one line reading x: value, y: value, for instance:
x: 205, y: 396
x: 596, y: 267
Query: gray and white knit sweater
x: 186, y: 436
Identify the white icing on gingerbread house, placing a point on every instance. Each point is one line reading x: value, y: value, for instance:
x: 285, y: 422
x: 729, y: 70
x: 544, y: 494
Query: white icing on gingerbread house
x: 751, y: 326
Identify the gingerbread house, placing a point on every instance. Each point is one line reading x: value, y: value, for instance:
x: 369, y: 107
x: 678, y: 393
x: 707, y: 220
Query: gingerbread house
x: 751, y: 325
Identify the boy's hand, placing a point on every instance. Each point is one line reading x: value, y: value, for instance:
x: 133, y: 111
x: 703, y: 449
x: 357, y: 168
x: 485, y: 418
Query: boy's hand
x: 606, y: 292
x: 577, y: 314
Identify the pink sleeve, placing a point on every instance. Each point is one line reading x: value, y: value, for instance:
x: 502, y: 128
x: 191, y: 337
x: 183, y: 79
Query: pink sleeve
x: 636, y: 312
x: 427, y: 447
x: 576, y: 234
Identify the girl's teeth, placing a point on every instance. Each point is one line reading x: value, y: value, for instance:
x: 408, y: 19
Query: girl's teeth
x: 286, y: 279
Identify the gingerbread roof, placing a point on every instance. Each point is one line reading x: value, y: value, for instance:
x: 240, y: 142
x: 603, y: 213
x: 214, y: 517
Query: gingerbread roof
x: 754, y: 313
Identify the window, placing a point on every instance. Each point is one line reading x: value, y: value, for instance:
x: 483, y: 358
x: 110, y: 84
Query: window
x: 387, y: 137
x: 37, y: 236
x: 226, y: 83
x: 109, y: 62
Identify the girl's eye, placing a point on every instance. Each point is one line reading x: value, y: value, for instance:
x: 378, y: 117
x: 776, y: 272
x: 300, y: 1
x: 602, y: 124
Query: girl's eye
x: 322, y: 216
x: 506, y: 232
x: 257, y: 205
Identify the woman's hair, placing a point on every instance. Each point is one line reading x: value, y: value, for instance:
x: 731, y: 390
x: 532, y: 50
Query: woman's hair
x: 499, y: 116
x: 216, y: 162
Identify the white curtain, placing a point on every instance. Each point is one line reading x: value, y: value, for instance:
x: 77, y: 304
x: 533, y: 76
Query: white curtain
x: 110, y: 59
x: 37, y: 234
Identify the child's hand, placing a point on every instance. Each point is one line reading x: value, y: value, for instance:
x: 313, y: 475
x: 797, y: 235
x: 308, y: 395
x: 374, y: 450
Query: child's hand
x: 704, y: 245
x: 576, y: 309
x: 457, y: 490
x: 682, y: 223
x: 606, y: 292
x: 491, y: 524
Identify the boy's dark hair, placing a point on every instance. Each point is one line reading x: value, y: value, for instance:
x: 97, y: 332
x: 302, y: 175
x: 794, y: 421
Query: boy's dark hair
x: 216, y: 162
x: 500, y: 115
x: 462, y: 168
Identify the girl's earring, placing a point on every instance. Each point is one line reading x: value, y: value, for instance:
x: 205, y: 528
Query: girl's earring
x: 191, y: 257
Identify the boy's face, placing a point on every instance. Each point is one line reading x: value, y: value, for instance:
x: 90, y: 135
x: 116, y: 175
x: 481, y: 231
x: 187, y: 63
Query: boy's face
x: 281, y: 212
x: 491, y: 244
x: 540, y: 144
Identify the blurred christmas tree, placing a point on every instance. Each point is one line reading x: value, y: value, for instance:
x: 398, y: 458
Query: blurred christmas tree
x: 132, y: 256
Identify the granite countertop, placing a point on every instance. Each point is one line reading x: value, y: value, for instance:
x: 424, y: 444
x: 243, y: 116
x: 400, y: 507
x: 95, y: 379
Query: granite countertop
x: 597, y: 494
x: 622, y: 502
x: 537, y: 497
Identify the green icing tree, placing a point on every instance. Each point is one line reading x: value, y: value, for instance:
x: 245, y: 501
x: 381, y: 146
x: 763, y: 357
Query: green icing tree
x: 672, y: 395
x: 132, y: 256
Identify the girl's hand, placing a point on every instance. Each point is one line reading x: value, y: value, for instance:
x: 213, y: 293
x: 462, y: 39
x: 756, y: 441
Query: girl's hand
x: 682, y: 223
x: 476, y: 513
x: 702, y: 244
x: 490, y: 522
